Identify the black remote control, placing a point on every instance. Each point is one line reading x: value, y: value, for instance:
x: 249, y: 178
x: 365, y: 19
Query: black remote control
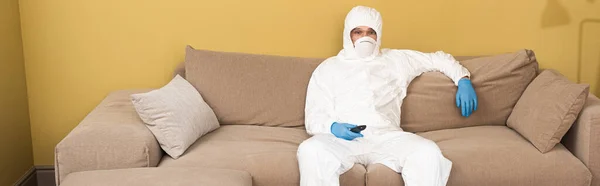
x: 359, y: 128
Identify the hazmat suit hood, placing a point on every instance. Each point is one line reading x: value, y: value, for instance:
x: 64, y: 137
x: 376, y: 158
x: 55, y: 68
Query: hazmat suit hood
x: 360, y: 16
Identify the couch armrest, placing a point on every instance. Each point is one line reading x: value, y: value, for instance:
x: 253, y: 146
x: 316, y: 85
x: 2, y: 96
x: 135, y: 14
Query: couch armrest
x: 111, y: 136
x: 583, y: 139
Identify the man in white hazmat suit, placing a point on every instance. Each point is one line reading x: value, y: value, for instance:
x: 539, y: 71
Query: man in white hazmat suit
x: 365, y: 86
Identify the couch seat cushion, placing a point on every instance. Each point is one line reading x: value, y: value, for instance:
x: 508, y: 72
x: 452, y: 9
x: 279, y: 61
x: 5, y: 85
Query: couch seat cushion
x: 267, y: 153
x: 496, y: 155
x: 159, y: 176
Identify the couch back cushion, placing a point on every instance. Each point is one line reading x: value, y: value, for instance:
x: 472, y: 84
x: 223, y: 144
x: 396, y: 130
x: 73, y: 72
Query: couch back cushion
x: 266, y: 90
x: 499, y: 81
x: 249, y: 89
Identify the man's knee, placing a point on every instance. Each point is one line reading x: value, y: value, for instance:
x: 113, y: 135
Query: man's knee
x: 307, y: 146
x: 312, y: 145
x: 428, y: 147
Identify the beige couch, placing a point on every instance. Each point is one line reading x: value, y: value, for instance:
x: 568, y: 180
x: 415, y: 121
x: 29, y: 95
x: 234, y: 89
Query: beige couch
x: 259, y: 101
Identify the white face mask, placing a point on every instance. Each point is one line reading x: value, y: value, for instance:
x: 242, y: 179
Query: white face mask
x: 364, y: 46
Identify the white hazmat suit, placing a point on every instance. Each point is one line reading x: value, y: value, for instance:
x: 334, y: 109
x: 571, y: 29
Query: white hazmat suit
x: 369, y: 90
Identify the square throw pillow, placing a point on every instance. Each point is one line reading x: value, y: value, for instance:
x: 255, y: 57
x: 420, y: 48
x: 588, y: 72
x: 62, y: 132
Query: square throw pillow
x: 176, y: 114
x: 547, y: 109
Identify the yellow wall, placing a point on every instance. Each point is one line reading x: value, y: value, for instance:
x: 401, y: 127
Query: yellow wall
x: 78, y: 51
x: 16, y: 156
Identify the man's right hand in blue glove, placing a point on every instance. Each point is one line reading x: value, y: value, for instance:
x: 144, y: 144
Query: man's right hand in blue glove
x: 342, y: 130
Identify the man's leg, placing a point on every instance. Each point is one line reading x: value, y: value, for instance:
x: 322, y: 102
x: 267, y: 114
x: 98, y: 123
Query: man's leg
x: 323, y: 158
x: 418, y: 159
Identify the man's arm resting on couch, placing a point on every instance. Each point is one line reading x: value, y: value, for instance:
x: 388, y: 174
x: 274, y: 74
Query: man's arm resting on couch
x: 111, y: 136
x: 583, y: 139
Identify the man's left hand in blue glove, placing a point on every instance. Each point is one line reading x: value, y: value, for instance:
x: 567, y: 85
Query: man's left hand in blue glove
x: 466, y: 99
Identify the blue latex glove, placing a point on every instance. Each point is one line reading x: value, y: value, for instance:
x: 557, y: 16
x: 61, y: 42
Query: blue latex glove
x: 466, y: 99
x: 342, y: 130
